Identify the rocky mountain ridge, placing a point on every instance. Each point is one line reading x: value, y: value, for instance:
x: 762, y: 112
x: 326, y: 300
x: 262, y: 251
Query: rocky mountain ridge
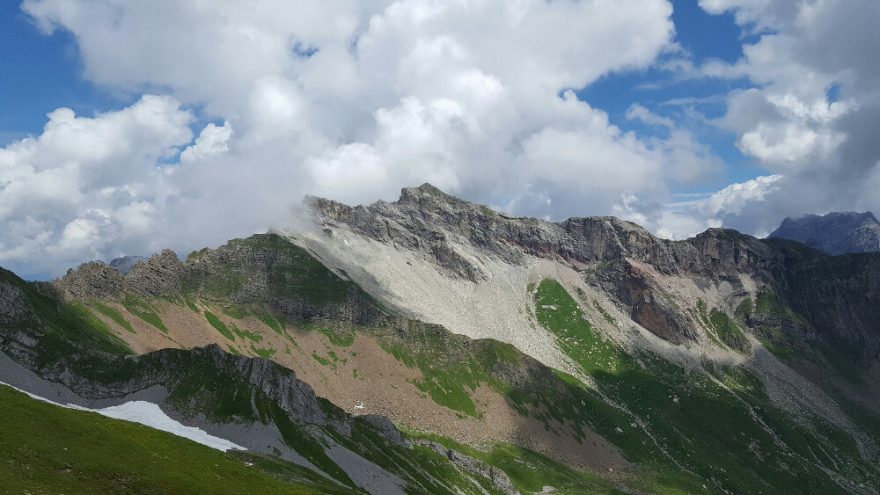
x: 717, y: 364
x: 443, y: 228
x: 424, y: 217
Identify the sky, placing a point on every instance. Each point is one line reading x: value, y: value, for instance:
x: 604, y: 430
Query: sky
x: 128, y: 127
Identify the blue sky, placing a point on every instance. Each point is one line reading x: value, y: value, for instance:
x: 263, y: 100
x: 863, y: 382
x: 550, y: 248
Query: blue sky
x: 41, y: 73
x: 182, y: 124
x: 48, y: 74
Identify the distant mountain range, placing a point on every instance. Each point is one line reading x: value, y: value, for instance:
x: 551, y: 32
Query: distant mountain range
x: 834, y: 233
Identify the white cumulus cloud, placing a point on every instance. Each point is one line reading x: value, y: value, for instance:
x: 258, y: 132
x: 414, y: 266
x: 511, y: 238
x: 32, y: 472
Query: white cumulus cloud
x: 351, y: 100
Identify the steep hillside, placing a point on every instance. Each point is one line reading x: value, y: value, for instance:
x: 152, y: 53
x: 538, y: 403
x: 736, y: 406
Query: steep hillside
x: 833, y: 233
x: 514, y: 353
x: 49, y: 449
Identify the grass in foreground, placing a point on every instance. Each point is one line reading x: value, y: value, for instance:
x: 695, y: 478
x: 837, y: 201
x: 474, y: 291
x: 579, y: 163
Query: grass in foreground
x: 48, y: 449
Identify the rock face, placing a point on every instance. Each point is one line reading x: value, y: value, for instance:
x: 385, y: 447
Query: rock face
x: 430, y: 221
x: 627, y: 262
x: 93, y: 280
x: 447, y: 230
x: 261, y: 270
x: 835, y: 233
x: 160, y: 275
x: 14, y: 307
x: 500, y: 480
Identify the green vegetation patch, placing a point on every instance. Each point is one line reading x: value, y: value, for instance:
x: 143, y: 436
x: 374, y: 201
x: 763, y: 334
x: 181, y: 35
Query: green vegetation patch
x: 234, y: 311
x: 219, y: 325
x: 245, y: 334
x: 143, y: 310
x: 340, y: 338
x: 452, y: 367
x: 744, y: 309
x: 114, y: 315
x: 322, y: 361
x: 768, y: 304
x: 688, y: 431
x: 272, y: 323
x: 191, y: 304
x: 49, y: 449
x: 559, y: 313
x: 728, y: 331
x: 263, y: 352
x: 778, y: 350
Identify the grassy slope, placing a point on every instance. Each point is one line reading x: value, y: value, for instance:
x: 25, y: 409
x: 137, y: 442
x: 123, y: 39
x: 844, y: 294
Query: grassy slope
x: 708, y: 431
x: 450, y: 375
x: 292, y: 273
x: 48, y: 449
x: 718, y: 433
x: 530, y: 472
x: 65, y: 330
x: 199, y: 387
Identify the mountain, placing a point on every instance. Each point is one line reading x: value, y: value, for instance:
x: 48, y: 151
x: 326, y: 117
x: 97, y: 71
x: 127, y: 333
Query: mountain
x: 834, y: 233
x: 432, y: 345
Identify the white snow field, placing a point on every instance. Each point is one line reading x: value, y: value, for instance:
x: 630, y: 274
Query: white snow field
x: 148, y: 414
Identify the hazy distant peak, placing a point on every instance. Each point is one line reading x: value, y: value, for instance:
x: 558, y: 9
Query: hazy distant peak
x: 835, y: 232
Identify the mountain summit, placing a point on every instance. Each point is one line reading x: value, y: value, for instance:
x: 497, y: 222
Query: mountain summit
x: 834, y: 233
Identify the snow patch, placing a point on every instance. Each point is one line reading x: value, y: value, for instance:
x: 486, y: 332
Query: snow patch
x: 147, y: 414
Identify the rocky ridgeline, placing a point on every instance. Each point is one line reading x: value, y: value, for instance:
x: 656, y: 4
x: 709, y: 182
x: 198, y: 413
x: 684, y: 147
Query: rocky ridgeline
x: 609, y: 251
x: 159, y: 275
x: 124, y: 264
x: 428, y: 220
x: 269, y: 271
x: 263, y: 270
x: 441, y: 227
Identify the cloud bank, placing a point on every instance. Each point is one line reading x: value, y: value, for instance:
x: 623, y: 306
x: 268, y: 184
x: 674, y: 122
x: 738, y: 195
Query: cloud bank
x: 248, y: 106
x: 813, y: 115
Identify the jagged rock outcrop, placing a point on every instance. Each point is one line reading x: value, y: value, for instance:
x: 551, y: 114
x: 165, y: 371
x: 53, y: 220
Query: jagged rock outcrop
x: 263, y: 270
x: 431, y: 221
x: 92, y: 280
x: 386, y: 428
x: 834, y: 233
x: 160, y: 275
x: 440, y: 226
x: 472, y: 466
x: 14, y: 307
